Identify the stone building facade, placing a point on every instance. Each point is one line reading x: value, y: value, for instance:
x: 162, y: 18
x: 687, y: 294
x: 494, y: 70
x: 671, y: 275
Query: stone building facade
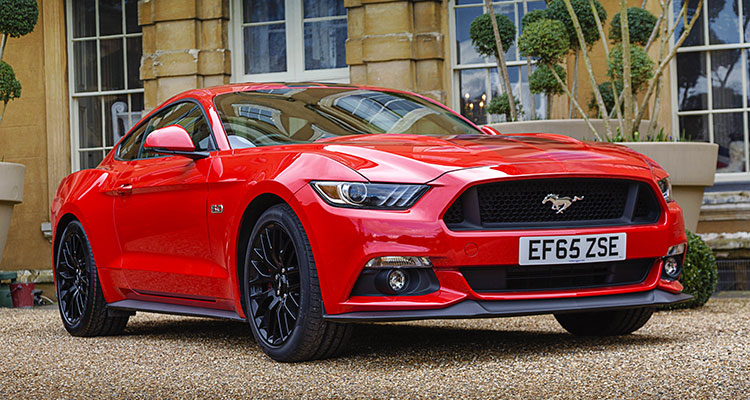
x: 92, y: 68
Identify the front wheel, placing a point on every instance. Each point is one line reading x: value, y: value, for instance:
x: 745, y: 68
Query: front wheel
x: 605, y: 323
x: 282, y: 292
x: 79, y: 293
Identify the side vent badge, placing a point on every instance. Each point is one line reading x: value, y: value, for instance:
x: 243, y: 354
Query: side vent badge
x: 217, y: 208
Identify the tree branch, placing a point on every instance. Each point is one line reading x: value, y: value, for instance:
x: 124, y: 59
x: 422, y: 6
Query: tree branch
x: 501, y: 66
x: 665, y: 62
x: 575, y: 103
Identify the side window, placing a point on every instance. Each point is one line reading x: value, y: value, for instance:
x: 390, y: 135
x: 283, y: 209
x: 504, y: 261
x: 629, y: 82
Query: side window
x: 188, y: 115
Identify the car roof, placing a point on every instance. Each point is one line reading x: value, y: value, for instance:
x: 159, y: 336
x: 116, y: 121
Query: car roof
x: 210, y: 92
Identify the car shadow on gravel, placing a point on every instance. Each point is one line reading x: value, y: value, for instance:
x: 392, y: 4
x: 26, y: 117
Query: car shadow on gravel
x: 396, y: 343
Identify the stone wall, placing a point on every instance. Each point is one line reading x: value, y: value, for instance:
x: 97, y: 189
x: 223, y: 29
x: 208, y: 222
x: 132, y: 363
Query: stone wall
x: 185, y: 46
x: 35, y: 132
x: 399, y: 44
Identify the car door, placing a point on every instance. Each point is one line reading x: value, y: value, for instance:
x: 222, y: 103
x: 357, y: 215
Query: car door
x: 160, y: 211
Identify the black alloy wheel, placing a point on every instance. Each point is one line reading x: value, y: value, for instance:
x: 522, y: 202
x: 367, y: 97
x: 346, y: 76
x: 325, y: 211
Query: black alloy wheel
x: 73, y: 278
x: 80, y: 299
x: 274, y: 284
x: 281, y: 292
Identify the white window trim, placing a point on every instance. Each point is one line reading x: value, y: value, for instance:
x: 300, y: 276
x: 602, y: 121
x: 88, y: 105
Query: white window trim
x: 295, y: 50
x: 73, y: 96
x: 745, y: 109
x: 455, y: 98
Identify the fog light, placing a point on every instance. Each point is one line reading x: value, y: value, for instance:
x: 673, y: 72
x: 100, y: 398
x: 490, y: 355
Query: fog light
x: 671, y: 268
x: 397, y: 280
x: 399, y: 262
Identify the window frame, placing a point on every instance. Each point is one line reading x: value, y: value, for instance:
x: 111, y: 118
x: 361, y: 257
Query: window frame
x: 214, y: 146
x: 706, y: 48
x: 456, y: 68
x: 295, y: 47
x: 74, y: 96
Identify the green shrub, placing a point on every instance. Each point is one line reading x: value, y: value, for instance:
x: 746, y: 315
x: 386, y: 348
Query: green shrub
x: 556, y: 10
x: 542, y: 80
x: 699, y: 274
x: 483, y: 36
x: 641, y: 66
x: 640, y: 24
x: 10, y: 87
x: 545, y: 40
x: 533, y: 16
x: 605, y: 88
x: 500, y: 105
x: 18, y: 17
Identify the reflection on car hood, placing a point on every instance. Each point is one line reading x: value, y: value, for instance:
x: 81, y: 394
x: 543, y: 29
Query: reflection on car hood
x: 419, y: 159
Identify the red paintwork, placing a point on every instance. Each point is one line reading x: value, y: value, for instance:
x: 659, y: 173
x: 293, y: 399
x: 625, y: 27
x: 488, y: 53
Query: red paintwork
x: 153, y: 237
x: 173, y: 137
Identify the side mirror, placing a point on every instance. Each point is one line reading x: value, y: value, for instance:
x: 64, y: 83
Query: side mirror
x: 488, y: 130
x: 173, y: 139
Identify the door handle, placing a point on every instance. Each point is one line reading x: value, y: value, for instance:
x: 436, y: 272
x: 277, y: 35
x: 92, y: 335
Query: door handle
x: 124, y: 189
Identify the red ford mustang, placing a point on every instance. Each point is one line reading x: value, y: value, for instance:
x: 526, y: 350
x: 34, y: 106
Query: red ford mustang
x: 301, y: 208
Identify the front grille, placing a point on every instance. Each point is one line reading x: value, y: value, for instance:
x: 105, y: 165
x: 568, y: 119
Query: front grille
x: 522, y: 204
x: 557, y: 277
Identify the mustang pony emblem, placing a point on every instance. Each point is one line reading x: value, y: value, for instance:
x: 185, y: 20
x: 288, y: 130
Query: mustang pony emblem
x: 560, y: 204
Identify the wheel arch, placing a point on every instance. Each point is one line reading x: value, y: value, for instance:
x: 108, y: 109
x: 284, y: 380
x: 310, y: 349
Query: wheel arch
x: 59, y: 229
x: 250, y: 217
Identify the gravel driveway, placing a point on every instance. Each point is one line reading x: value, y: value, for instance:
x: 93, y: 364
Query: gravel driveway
x: 680, y: 354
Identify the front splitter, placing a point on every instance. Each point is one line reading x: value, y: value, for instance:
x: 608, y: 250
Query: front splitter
x: 514, y: 308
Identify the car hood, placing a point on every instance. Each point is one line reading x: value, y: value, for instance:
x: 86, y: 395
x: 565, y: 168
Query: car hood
x: 420, y: 159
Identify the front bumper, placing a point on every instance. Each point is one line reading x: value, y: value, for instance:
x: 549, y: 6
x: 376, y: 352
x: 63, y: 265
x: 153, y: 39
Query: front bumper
x: 514, y: 308
x: 343, y: 240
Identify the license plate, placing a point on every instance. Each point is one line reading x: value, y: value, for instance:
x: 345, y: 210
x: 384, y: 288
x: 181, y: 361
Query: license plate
x: 571, y: 249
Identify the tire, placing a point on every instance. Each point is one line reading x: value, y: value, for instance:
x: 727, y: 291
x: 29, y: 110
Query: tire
x: 282, y: 294
x: 80, y: 299
x: 605, y: 323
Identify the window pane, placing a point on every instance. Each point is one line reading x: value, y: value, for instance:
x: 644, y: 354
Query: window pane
x: 116, y: 118
x: 726, y: 78
x: 265, y: 49
x: 263, y: 10
x: 473, y: 84
x: 691, y: 81
x: 323, y: 8
x: 134, y: 63
x: 509, y: 10
x: 110, y: 17
x: 85, y: 61
x: 113, y: 68
x: 694, y: 128
x: 536, y: 5
x: 131, y: 16
x: 724, y: 21
x: 465, y: 51
x: 497, y: 85
x: 90, y: 159
x: 695, y: 38
x: 728, y: 134
x: 460, y: 2
x: 84, y: 18
x: 325, y: 44
x: 89, y: 122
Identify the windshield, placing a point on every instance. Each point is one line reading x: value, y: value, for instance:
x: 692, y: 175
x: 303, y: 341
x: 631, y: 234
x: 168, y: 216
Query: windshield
x: 304, y: 115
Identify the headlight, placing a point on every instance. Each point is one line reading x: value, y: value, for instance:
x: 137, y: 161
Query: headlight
x: 665, y: 185
x: 386, y: 196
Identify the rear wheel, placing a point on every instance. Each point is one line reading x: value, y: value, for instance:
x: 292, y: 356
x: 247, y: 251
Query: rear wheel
x: 79, y: 293
x: 605, y: 323
x: 282, y: 292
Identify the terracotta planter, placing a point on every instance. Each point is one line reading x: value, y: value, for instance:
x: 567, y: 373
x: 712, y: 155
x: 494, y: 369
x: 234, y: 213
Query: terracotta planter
x: 692, y: 167
x: 11, y: 193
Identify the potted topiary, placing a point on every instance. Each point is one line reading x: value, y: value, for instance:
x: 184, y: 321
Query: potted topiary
x: 699, y: 273
x: 17, y: 18
x: 633, y: 87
